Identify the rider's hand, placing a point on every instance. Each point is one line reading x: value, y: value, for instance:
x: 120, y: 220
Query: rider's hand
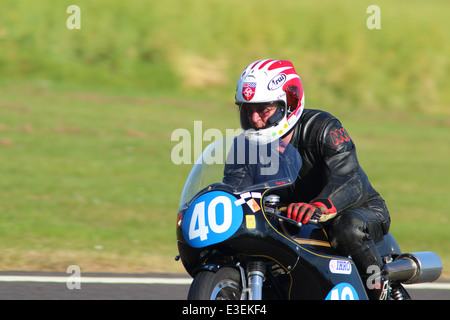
x: 301, y: 211
x: 322, y: 210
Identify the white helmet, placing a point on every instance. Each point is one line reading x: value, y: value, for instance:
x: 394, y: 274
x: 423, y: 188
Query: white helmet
x: 273, y: 82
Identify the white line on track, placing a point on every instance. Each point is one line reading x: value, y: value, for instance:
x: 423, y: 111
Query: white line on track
x: 432, y: 286
x: 82, y: 279
x: 159, y: 280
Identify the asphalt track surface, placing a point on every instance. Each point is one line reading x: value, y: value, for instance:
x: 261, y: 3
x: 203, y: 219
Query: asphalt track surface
x: 62, y: 286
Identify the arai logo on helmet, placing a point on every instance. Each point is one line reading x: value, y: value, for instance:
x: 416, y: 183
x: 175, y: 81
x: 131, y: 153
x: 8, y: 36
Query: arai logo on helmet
x: 276, y: 82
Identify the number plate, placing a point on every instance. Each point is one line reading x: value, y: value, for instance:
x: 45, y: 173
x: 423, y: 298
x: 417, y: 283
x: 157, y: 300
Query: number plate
x: 211, y: 218
x: 342, y: 291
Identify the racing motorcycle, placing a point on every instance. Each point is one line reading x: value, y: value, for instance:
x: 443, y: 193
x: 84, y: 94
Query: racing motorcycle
x: 236, y: 242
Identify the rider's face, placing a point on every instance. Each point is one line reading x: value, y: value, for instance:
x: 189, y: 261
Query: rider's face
x: 258, y: 114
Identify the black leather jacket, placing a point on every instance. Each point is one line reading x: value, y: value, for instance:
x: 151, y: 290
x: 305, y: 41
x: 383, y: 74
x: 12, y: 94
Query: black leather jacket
x: 330, y: 167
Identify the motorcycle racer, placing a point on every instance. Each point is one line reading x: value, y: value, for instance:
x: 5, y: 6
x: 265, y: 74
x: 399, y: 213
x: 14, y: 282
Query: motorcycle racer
x: 331, y: 186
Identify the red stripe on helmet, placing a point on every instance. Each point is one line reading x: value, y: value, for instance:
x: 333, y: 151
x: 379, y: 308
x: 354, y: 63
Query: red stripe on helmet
x: 265, y: 63
x: 254, y: 64
x: 281, y: 64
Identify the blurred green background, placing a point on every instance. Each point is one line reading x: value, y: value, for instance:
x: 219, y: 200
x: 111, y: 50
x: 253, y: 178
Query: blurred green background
x: 86, y: 116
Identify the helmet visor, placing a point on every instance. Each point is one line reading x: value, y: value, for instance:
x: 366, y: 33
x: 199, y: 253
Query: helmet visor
x: 261, y: 115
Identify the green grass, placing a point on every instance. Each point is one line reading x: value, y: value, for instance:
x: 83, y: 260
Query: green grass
x: 407, y: 162
x: 87, y: 179
x: 86, y: 175
x: 204, y: 44
x: 86, y: 115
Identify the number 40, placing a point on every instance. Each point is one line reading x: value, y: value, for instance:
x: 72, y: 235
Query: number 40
x: 198, y: 227
x: 345, y: 294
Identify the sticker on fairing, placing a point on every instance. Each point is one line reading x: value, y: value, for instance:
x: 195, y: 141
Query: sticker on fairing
x: 340, y: 266
x: 342, y: 291
x: 212, y: 218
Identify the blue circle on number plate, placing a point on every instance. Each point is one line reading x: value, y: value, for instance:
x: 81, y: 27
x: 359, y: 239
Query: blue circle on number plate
x: 211, y: 218
x: 342, y: 291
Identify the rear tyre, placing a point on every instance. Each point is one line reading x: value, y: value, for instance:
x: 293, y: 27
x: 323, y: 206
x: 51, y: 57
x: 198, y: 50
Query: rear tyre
x: 225, y: 284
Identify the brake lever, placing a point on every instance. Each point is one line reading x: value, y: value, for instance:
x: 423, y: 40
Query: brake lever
x: 273, y: 212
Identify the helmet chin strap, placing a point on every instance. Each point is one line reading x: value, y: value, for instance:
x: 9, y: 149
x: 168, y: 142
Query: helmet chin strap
x: 276, y: 117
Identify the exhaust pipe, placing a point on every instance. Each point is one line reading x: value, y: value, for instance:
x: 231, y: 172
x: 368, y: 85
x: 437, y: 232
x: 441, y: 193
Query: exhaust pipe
x: 416, y: 267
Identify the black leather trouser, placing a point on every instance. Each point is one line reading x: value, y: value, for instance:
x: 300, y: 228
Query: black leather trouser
x: 355, y: 233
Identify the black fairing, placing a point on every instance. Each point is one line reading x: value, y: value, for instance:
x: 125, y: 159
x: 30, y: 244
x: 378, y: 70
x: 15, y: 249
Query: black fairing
x: 300, y: 262
x: 297, y: 259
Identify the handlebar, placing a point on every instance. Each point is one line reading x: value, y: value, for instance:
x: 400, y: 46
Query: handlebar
x: 275, y: 212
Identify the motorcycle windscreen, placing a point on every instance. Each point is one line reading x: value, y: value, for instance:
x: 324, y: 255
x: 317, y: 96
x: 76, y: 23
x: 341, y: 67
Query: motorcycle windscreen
x: 252, y: 165
x: 207, y: 170
x: 243, y: 165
